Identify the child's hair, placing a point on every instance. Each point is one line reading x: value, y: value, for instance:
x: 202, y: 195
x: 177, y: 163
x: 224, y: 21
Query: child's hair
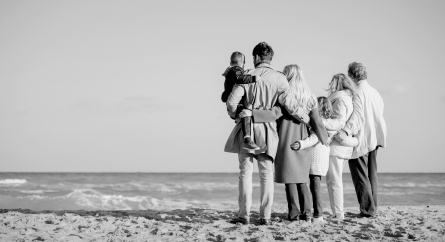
x: 325, y: 108
x: 237, y: 58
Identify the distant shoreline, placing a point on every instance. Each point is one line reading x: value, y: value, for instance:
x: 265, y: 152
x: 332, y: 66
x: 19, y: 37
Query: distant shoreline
x: 112, y: 172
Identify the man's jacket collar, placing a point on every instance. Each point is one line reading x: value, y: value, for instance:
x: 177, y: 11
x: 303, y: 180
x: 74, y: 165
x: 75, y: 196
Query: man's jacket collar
x: 263, y: 65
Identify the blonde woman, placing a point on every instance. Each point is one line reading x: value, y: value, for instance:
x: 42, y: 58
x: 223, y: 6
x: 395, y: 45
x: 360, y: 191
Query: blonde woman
x: 341, y: 91
x: 292, y: 165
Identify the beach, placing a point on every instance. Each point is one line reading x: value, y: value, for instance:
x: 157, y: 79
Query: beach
x: 392, y: 223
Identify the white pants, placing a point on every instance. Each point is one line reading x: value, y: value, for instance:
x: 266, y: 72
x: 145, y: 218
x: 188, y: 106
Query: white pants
x: 265, y: 167
x: 335, y: 184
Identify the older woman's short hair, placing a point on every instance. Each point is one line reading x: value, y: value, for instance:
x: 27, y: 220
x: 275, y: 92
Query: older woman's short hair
x: 357, y: 71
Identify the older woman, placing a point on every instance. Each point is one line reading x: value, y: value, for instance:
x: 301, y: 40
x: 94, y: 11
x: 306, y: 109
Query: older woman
x: 341, y: 91
x: 292, y: 165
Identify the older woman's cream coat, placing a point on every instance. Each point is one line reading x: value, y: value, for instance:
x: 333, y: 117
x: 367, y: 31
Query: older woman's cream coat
x: 342, y: 105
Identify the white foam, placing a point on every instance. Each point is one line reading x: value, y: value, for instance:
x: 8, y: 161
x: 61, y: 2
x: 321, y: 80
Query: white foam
x: 410, y: 184
x: 36, y: 191
x: 92, y: 199
x: 13, y: 181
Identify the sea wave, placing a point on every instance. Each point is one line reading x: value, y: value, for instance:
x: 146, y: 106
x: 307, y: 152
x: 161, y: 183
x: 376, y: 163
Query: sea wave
x: 92, y: 199
x: 12, y: 181
x: 170, y: 188
x: 37, y: 191
x: 412, y: 185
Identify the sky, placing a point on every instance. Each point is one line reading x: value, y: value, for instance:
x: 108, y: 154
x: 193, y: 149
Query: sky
x: 134, y: 86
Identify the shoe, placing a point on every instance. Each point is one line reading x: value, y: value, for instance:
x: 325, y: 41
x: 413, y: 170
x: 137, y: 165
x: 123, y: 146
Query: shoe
x: 362, y: 215
x: 240, y: 220
x: 304, y: 217
x: 264, y: 221
x: 251, y: 146
x: 340, y: 216
x: 317, y: 220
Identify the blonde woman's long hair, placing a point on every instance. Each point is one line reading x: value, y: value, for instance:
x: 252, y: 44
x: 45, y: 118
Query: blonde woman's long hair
x: 299, y: 94
x: 342, y: 82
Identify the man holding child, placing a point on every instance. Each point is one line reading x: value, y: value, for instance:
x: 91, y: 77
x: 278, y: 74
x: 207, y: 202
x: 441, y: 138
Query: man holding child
x: 262, y: 94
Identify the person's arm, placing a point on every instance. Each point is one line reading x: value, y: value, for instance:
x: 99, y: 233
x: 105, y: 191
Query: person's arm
x: 318, y: 126
x: 234, y: 99
x: 266, y: 116
x: 337, y: 123
x: 241, y: 76
x: 292, y: 108
x: 228, y: 83
x: 309, y: 141
x: 357, y: 119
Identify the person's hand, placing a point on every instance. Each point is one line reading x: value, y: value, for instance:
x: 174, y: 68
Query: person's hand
x: 245, y: 113
x: 329, y: 140
x: 295, y: 146
x: 257, y: 77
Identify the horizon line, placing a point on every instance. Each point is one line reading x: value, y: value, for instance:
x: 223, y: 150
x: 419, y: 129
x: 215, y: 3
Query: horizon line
x: 177, y: 172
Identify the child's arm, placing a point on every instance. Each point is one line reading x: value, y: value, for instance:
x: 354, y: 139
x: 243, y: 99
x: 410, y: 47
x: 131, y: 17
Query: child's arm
x: 241, y: 76
x: 309, y: 141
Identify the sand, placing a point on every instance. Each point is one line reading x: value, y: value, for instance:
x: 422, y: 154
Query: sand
x: 395, y: 223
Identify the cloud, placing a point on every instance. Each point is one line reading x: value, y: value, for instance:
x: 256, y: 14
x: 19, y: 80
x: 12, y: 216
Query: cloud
x: 141, y: 101
x: 128, y: 104
x: 150, y: 103
x: 398, y: 89
x: 21, y: 111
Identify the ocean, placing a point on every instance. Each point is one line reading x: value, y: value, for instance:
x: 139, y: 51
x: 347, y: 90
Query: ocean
x: 168, y: 191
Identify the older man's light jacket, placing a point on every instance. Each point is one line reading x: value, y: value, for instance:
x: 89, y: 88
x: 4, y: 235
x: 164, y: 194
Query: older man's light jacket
x: 260, y: 95
x: 367, y: 122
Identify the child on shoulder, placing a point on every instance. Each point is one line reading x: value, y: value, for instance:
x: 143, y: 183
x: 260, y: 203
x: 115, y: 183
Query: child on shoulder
x: 235, y: 74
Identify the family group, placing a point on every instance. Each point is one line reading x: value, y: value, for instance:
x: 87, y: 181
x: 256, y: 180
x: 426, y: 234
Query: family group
x: 296, y: 138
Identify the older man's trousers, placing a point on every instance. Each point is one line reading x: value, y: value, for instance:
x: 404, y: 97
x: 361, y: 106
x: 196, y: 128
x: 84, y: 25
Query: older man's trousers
x: 364, y: 176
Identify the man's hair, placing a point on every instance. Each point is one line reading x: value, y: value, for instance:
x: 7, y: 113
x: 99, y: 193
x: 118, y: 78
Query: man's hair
x: 237, y: 58
x: 357, y: 71
x: 264, y: 51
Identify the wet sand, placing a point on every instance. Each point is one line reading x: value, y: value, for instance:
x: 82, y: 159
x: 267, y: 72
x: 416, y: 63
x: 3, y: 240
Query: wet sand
x: 394, y: 223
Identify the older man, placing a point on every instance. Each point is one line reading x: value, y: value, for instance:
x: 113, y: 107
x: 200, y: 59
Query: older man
x: 260, y: 95
x: 369, y: 127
